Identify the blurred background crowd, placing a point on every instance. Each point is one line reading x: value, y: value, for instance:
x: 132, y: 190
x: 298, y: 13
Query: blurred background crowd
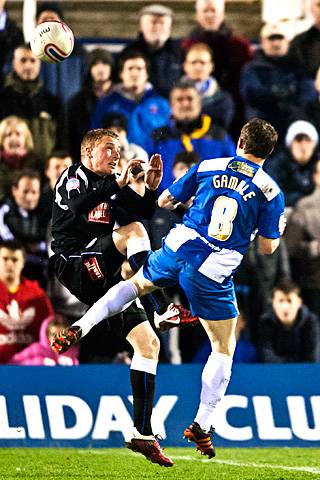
x: 187, y: 99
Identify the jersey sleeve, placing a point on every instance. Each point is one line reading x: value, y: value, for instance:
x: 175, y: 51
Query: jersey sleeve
x: 272, y: 221
x: 186, y: 186
x: 73, y: 193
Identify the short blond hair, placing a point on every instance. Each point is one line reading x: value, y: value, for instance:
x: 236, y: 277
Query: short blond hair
x: 199, y: 47
x: 93, y: 136
x: 14, y: 120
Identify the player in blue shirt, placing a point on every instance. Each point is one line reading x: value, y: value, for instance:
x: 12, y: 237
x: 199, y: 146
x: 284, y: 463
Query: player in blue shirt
x: 233, y: 200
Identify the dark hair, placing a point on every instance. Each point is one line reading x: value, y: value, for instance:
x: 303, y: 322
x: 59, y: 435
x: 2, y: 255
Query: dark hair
x: 259, y: 138
x: 189, y: 158
x: 25, y: 173
x: 24, y: 46
x: 286, y: 286
x: 57, y: 154
x: 130, y: 53
x: 115, y: 120
x: 184, y: 84
x: 13, y: 245
x: 49, y: 7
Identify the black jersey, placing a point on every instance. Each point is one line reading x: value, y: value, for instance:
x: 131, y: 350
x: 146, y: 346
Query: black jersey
x: 87, y: 206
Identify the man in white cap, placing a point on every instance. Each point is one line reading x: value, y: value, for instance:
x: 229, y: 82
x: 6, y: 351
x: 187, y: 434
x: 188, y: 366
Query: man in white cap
x: 272, y: 86
x: 164, y: 53
x: 292, y: 167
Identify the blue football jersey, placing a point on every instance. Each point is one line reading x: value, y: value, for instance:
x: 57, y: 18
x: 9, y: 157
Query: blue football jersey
x: 233, y: 200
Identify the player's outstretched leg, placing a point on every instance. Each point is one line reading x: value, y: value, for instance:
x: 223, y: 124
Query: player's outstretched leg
x: 149, y: 447
x: 65, y: 339
x: 202, y: 439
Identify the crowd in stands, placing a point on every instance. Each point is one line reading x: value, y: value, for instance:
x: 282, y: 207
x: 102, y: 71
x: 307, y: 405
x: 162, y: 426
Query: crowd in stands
x: 185, y: 99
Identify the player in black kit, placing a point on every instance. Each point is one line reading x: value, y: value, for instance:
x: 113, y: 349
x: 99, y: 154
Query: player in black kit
x: 89, y: 252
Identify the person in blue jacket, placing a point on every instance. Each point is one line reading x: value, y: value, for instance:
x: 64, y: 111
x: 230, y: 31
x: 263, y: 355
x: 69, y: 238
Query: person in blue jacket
x: 188, y: 130
x: 135, y: 98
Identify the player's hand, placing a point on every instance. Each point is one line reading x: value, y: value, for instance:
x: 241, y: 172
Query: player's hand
x: 154, y: 172
x: 126, y: 172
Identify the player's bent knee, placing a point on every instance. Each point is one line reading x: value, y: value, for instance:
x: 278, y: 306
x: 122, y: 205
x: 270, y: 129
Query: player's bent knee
x: 144, y: 341
x: 132, y: 230
x: 126, y: 270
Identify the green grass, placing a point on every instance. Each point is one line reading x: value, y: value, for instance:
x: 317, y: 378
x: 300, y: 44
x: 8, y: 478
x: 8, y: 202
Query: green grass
x: 230, y: 464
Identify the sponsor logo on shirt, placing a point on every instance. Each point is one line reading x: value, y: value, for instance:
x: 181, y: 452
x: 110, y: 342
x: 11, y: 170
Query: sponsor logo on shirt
x: 242, y: 167
x: 73, y: 184
x: 93, y: 268
x: 100, y: 213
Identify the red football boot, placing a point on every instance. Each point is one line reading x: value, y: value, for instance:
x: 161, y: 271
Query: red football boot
x: 150, y: 448
x: 194, y: 433
x: 174, y: 316
x: 65, y: 339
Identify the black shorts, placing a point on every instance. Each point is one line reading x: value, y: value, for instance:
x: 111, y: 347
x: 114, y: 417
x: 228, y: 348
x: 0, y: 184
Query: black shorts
x: 91, y: 271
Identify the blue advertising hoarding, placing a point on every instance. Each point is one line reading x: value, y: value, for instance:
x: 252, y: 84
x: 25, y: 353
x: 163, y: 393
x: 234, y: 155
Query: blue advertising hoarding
x: 91, y: 406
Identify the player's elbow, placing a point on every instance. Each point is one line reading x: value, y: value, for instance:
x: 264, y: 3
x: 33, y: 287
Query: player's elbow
x: 166, y: 200
x: 268, y: 246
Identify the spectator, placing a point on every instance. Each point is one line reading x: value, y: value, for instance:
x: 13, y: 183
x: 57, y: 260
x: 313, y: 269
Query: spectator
x: 56, y: 163
x: 182, y: 163
x: 162, y: 219
x: 16, y: 150
x: 24, y: 95
x: 21, y: 219
x: 134, y: 95
x: 303, y: 241
x: 288, y: 332
x: 255, y: 279
x: 96, y: 85
x: 198, y: 67
x: 230, y: 52
x: 118, y: 123
x: 305, y: 47
x: 129, y: 151
x: 272, y: 86
x: 164, y: 54
x: 61, y: 79
x: 188, y: 130
x: 313, y: 108
x: 10, y: 37
x: 23, y: 304
x: 292, y: 166
x: 40, y: 353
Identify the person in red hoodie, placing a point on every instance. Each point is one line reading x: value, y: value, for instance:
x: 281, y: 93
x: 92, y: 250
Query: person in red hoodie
x: 23, y: 304
x: 40, y: 353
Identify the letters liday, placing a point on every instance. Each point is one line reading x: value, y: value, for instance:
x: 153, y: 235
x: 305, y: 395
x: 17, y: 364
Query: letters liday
x: 112, y: 416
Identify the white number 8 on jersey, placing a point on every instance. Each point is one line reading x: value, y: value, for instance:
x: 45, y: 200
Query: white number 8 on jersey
x: 224, y: 211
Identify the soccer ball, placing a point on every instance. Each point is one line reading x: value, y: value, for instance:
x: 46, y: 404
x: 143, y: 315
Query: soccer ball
x: 52, y: 41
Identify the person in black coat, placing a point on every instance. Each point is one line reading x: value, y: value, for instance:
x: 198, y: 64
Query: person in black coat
x: 289, y: 331
x: 97, y: 83
x: 10, y: 37
x: 164, y: 53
